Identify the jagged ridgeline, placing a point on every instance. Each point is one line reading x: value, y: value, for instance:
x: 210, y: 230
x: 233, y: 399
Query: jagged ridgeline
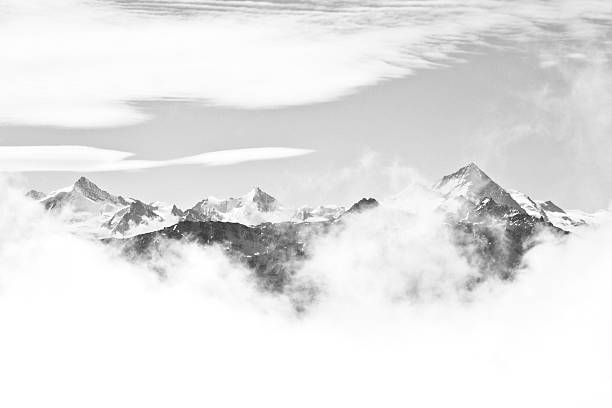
x: 491, y: 226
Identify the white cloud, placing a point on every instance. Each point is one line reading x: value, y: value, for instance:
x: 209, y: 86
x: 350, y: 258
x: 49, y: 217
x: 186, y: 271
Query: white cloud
x: 81, y: 326
x: 92, y: 159
x: 74, y: 63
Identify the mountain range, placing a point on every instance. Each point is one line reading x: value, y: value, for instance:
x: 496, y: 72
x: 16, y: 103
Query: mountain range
x: 491, y: 226
x: 89, y: 208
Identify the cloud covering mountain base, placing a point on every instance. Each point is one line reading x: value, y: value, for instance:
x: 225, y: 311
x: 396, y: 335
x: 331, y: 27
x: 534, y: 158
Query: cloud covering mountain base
x: 82, y: 326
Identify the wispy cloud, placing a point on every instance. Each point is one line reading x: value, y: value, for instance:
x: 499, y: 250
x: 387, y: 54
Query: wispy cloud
x: 75, y: 63
x: 92, y: 159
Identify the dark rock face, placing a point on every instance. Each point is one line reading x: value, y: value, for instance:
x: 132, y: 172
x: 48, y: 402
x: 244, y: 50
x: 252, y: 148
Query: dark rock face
x: 488, y: 207
x: 363, y: 204
x: 136, y: 214
x: 35, y: 195
x: 177, y: 211
x: 272, y: 251
x: 494, y: 237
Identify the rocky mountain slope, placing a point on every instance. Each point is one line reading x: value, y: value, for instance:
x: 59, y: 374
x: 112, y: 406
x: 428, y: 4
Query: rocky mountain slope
x: 469, y: 186
x: 90, y: 209
x: 491, y: 226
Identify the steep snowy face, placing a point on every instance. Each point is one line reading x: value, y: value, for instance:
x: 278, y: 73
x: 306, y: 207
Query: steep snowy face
x: 566, y: 220
x: 472, y: 184
x: 84, y: 205
x: 91, y: 191
x: 570, y: 220
x: 530, y: 206
x: 89, y: 209
x: 84, y: 195
x: 551, y: 212
x: 264, y: 201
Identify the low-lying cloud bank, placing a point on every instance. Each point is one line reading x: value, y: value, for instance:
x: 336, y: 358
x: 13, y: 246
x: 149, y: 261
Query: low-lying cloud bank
x: 84, y: 63
x: 82, y: 326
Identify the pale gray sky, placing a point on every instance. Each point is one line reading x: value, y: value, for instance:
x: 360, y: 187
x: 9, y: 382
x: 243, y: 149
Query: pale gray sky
x: 534, y: 114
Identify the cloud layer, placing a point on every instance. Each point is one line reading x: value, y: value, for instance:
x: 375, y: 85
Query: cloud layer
x: 83, y: 326
x: 92, y: 159
x: 76, y: 63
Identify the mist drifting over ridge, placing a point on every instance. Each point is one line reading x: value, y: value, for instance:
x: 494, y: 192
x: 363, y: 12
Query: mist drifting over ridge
x: 393, y: 323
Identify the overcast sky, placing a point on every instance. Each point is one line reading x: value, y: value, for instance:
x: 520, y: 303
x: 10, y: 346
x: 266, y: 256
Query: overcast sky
x: 354, y: 98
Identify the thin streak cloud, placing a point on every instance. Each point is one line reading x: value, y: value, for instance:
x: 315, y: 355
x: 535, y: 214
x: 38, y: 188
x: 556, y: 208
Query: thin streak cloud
x: 87, y: 64
x: 92, y: 159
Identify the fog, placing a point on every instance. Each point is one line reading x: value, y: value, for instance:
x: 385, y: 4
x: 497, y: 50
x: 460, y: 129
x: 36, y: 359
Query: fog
x: 393, y: 324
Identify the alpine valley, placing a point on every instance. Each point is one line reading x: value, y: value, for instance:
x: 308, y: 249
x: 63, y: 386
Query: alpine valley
x: 493, y: 227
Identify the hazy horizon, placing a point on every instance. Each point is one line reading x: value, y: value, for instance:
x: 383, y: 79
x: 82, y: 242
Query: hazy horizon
x: 526, y: 101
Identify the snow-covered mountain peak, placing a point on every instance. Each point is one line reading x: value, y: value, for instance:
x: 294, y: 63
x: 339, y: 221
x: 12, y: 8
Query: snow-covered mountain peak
x: 465, y: 180
x: 253, y: 208
x: 265, y: 202
x: 472, y: 184
x: 91, y: 191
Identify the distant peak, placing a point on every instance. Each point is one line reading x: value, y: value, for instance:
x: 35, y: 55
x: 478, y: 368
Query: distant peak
x: 83, y: 182
x: 255, y: 191
x: 468, y: 173
x: 264, y: 201
x: 177, y: 211
x: 90, y: 190
x: 35, y: 195
x: 471, y: 168
x: 473, y: 184
x: 363, y: 204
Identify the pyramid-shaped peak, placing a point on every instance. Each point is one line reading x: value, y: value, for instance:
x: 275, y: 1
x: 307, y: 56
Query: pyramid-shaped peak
x: 257, y: 193
x: 84, y: 185
x: 473, y: 184
x: 264, y: 201
x: 471, y: 170
x: 470, y: 173
x: 90, y: 190
x: 177, y: 211
x: 83, y: 181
